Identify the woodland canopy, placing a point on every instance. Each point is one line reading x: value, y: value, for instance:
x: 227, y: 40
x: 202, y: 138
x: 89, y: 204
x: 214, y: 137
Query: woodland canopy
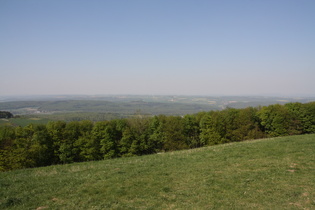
x: 60, y: 142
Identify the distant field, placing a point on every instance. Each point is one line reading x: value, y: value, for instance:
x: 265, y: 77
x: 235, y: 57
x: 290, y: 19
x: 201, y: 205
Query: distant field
x: 275, y: 173
x: 44, y: 118
x: 108, y: 107
x: 23, y: 121
x: 100, y: 108
x: 126, y: 105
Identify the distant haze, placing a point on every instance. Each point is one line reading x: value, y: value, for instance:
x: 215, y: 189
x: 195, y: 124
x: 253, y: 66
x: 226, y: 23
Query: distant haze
x: 157, y: 47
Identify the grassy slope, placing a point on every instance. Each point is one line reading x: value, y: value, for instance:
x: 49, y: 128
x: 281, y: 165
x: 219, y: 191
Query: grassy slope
x: 263, y: 174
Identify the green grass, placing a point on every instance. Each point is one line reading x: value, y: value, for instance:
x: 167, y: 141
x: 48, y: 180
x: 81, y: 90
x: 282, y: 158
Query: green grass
x: 276, y: 173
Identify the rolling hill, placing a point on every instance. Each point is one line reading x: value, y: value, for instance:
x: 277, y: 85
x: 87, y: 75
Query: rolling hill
x: 276, y: 173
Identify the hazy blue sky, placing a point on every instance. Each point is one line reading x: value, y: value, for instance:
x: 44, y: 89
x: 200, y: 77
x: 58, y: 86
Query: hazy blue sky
x: 196, y: 47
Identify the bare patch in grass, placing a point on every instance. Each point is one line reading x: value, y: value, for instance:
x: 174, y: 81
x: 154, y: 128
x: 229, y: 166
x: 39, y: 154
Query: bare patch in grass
x: 292, y: 167
x: 41, y: 172
x: 298, y: 205
x: 42, y: 207
x: 55, y: 199
x: 58, y: 200
x: 306, y: 194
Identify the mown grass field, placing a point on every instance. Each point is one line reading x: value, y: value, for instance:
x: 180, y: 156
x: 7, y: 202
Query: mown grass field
x: 277, y: 173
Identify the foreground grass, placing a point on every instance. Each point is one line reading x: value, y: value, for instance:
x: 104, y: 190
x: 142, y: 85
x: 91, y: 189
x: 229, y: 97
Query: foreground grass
x: 274, y: 173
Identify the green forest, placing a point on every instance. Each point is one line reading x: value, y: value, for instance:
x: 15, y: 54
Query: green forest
x: 60, y: 142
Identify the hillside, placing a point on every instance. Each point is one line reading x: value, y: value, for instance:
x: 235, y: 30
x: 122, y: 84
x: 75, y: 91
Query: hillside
x: 276, y: 173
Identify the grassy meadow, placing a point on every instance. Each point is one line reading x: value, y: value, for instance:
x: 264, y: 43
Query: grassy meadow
x: 276, y: 173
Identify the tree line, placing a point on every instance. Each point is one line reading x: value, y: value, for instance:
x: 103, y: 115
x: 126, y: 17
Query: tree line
x: 5, y: 114
x: 59, y: 142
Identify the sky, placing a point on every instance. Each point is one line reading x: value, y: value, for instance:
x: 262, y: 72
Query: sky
x: 157, y: 47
